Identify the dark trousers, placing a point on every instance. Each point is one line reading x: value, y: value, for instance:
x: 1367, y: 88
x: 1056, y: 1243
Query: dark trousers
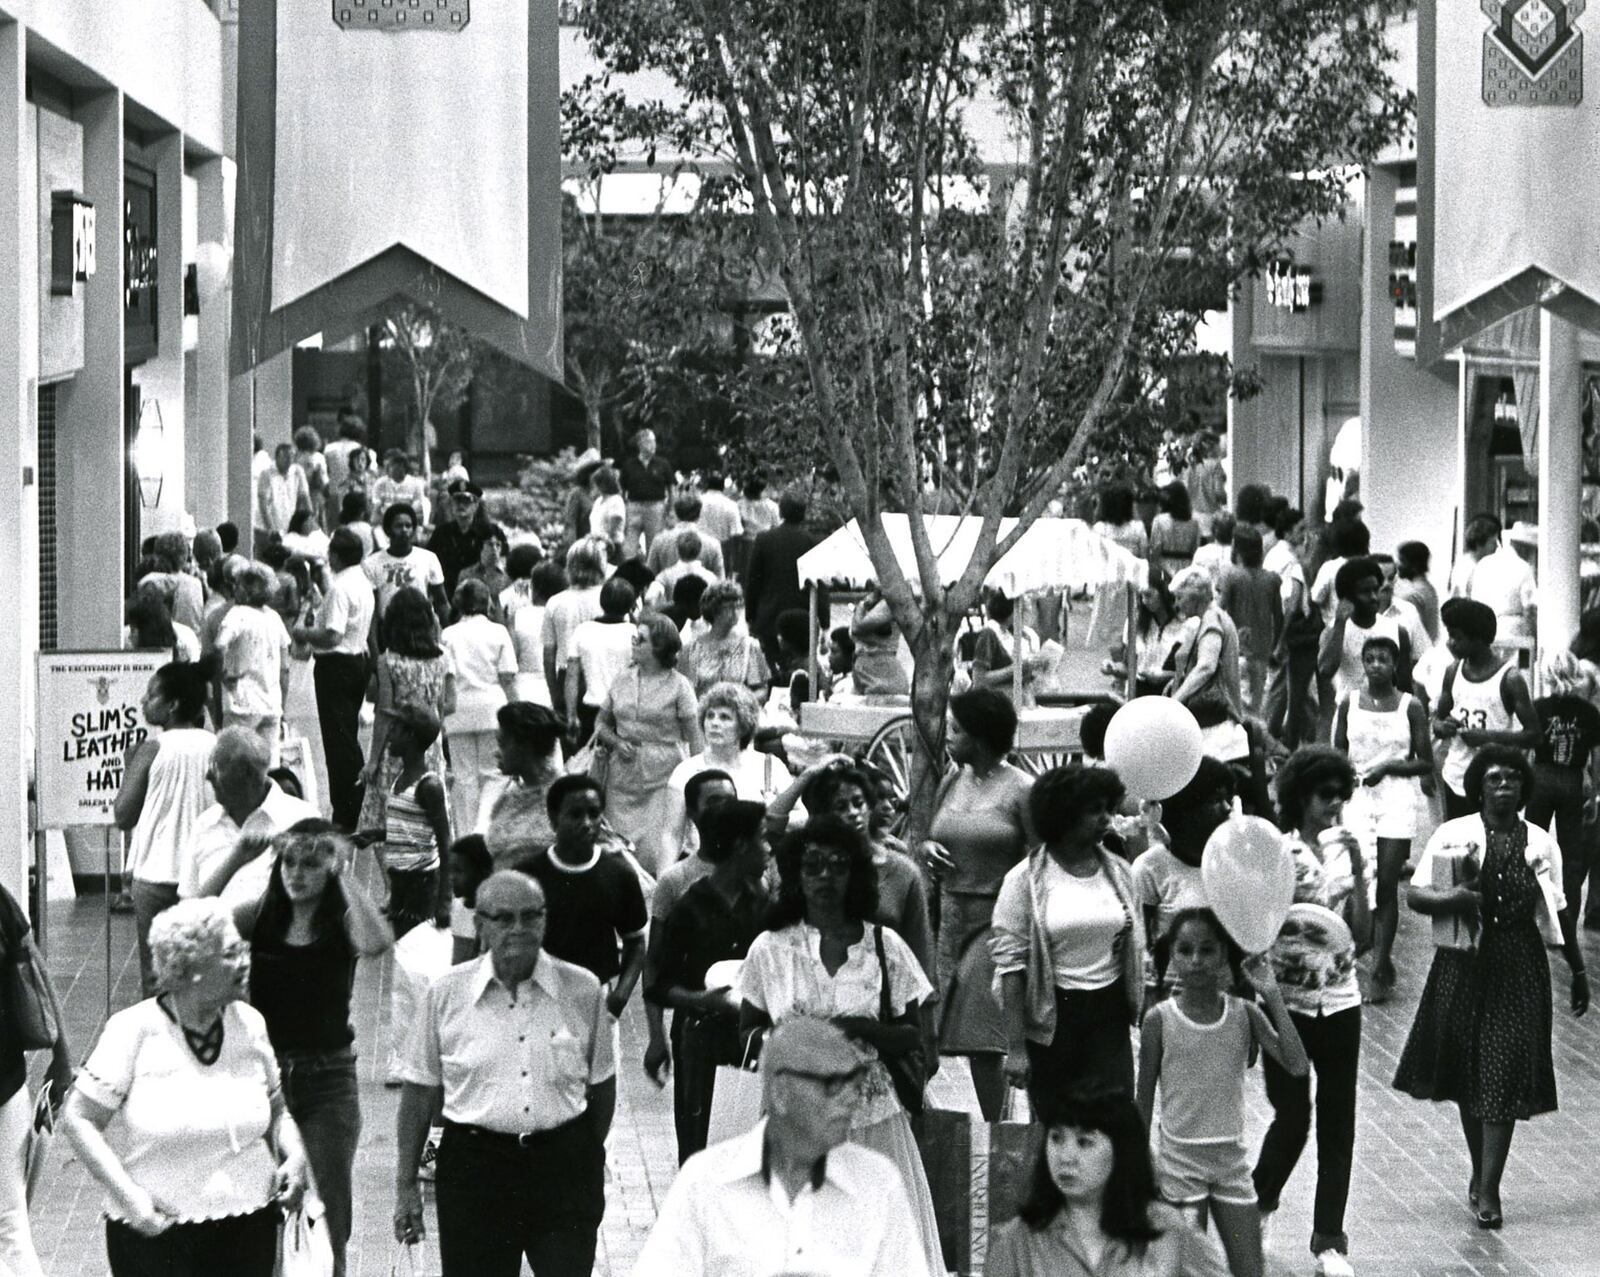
x: 500, y: 1200
x: 319, y: 1089
x: 1558, y: 799
x: 341, y: 683
x: 1289, y: 714
x: 413, y: 898
x: 1091, y: 1049
x: 699, y: 1045
x: 1334, y: 1044
x: 241, y: 1246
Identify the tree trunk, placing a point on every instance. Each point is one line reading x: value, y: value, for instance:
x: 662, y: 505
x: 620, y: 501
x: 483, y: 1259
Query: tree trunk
x: 933, y: 669
x: 593, y: 428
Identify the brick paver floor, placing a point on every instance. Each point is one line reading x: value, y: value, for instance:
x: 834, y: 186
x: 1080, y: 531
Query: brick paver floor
x: 1408, y: 1213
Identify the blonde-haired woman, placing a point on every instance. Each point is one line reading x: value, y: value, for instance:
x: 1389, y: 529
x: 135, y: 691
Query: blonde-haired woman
x: 1569, y: 732
x: 729, y: 715
x: 205, y: 1153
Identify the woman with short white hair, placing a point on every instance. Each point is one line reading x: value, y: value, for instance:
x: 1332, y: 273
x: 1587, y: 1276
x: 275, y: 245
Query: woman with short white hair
x: 206, y: 1155
x: 1206, y: 667
x: 729, y: 715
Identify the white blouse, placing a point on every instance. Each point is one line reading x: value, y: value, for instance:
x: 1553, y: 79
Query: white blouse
x: 192, y: 1135
x: 783, y: 975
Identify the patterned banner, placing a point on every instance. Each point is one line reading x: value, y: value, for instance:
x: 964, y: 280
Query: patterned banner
x: 1515, y: 204
x: 398, y: 148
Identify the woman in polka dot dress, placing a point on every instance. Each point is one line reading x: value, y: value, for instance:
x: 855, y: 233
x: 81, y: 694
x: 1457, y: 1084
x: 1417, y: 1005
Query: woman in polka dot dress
x: 1481, y: 1036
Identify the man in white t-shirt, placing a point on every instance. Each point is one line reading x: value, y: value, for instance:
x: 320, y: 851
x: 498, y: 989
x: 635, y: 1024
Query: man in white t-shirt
x: 1502, y: 579
x: 404, y: 563
x: 719, y: 513
x: 254, y: 647
x: 341, y: 639
x: 226, y: 852
x: 601, y: 649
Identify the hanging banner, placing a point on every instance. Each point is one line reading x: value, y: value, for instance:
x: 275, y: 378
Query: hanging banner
x: 1516, y: 206
x: 398, y: 148
x: 90, y: 715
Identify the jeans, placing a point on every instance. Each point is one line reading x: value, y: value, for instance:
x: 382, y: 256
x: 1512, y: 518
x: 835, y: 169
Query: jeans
x: 341, y: 683
x: 1334, y: 1044
x: 1253, y: 670
x: 499, y: 1200
x: 149, y: 899
x: 645, y: 519
x: 699, y: 1045
x: 1558, y: 798
x: 1290, y: 715
x: 240, y: 1245
x: 1092, y: 1049
x: 17, y: 1255
x: 319, y: 1090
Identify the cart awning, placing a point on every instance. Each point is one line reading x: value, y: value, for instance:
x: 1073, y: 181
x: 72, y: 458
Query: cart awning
x: 1054, y: 554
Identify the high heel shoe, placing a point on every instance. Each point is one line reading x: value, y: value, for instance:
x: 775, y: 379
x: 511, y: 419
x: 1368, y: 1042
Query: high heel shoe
x: 1490, y: 1220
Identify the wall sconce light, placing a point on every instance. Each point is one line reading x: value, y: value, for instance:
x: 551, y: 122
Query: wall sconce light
x: 150, y: 454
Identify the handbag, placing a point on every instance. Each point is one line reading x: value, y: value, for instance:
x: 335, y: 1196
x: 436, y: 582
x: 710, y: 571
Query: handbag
x: 735, y: 1099
x: 30, y: 1014
x: 304, y: 1248
x: 908, y: 1070
x: 593, y: 760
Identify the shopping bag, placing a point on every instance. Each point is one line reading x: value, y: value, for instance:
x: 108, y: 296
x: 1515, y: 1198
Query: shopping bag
x: 421, y: 956
x: 735, y: 1099
x: 304, y: 1247
x: 978, y: 1174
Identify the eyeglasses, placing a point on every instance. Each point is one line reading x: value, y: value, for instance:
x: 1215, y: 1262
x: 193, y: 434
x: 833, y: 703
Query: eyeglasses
x: 815, y: 864
x: 524, y: 918
x: 1331, y: 793
x: 832, y: 1085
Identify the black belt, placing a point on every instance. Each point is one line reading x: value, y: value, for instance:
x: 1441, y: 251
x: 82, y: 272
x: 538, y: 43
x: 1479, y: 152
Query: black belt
x: 509, y: 1139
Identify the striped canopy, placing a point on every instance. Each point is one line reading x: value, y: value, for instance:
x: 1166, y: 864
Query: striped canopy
x: 1054, y: 554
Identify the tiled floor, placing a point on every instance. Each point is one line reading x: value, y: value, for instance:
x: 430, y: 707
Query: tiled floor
x: 1407, y: 1209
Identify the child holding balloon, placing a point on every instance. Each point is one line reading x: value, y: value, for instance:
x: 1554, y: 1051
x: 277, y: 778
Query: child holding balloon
x: 1197, y: 1048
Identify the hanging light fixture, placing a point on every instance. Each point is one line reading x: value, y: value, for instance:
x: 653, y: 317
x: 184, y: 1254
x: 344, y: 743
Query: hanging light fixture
x: 150, y: 454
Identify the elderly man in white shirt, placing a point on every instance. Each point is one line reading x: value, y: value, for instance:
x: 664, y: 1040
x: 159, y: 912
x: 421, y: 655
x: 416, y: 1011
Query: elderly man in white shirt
x: 517, y: 1048
x: 280, y: 491
x: 794, y: 1195
x: 226, y: 849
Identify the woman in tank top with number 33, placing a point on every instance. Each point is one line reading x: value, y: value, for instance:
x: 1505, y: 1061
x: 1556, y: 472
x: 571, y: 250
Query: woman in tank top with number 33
x: 1485, y: 700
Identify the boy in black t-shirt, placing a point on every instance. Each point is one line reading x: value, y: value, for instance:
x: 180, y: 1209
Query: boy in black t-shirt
x: 596, y: 913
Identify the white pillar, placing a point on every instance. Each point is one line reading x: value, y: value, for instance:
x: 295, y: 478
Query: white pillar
x: 19, y: 270
x: 161, y: 378
x: 207, y: 436
x: 1560, y: 479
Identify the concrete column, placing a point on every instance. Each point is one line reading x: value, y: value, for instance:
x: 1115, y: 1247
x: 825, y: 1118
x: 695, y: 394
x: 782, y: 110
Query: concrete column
x: 18, y: 271
x: 160, y: 378
x: 206, y: 435
x: 92, y: 472
x: 1560, y: 479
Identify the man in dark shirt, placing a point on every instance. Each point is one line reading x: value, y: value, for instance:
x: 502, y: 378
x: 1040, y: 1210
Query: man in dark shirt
x: 772, y: 579
x: 457, y: 539
x: 646, y: 480
x: 716, y: 920
x: 597, y: 917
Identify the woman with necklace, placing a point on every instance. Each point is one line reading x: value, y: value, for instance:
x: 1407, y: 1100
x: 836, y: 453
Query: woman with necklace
x: 1481, y: 1036
x: 980, y: 829
x: 1067, y: 945
x: 647, y: 726
x: 206, y: 1154
x: 823, y: 956
x: 725, y: 653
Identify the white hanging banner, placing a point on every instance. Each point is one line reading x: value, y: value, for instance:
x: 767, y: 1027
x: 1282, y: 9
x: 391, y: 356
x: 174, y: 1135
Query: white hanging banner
x: 403, y: 122
x: 1516, y: 128
x: 89, y: 715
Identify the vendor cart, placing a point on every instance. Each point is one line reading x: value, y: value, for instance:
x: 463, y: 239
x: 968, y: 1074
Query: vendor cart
x: 1053, y: 555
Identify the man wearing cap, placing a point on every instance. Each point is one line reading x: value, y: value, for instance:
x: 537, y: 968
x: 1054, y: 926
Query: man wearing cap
x: 517, y: 1047
x: 792, y: 1196
x: 457, y: 539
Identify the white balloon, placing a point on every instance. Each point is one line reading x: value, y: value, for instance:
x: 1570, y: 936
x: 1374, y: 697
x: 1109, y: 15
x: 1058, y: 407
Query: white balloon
x: 1248, y: 875
x: 1154, y: 744
x: 212, y: 261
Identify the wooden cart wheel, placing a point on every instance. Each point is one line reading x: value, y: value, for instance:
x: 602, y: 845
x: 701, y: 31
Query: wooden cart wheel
x: 1036, y: 762
x: 891, y: 751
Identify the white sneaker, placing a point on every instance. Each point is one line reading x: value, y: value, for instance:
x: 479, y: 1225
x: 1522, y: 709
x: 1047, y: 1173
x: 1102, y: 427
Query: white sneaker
x: 1332, y: 1264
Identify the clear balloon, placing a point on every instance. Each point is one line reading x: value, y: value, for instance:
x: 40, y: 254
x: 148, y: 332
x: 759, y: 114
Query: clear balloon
x: 1154, y: 744
x: 1248, y: 874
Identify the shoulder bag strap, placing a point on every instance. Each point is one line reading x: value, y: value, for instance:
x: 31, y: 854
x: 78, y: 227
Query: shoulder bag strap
x: 885, y: 1012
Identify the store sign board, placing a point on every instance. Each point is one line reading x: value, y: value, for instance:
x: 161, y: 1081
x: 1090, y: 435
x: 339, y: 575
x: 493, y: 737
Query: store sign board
x: 1290, y: 287
x: 89, y: 716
